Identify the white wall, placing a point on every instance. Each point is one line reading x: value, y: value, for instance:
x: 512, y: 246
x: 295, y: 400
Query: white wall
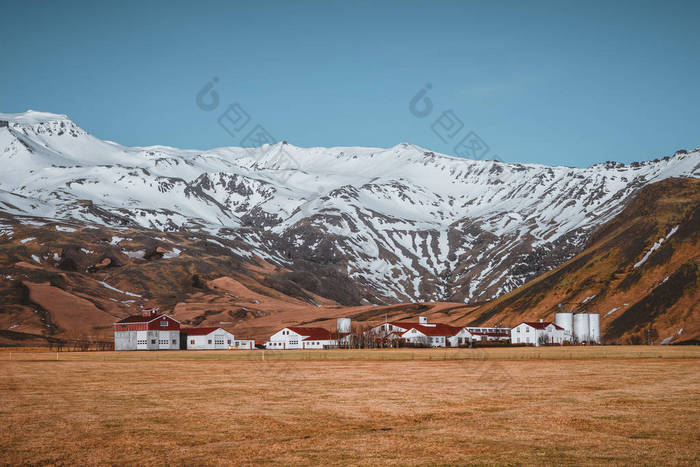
x: 318, y: 344
x: 283, y: 340
x: 525, y: 334
x: 461, y: 338
x: 217, y: 339
x: 416, y: 337
x: 243, y: 344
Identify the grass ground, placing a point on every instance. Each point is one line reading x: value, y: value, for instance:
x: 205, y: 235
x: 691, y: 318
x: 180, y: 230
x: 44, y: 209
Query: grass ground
x: 620, y: 405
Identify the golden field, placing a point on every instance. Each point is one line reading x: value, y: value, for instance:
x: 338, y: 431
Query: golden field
x: 563, y: 405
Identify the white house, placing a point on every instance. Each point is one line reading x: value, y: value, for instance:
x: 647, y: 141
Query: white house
x: 148, y: 331
x: 296, y: 337
x: 207, y: 338
x: 424, y: 333
x: 537, y: 333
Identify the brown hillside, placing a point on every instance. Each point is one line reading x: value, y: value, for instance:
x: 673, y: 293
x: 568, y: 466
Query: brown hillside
x: 60, y: 280
x: 642, y: 292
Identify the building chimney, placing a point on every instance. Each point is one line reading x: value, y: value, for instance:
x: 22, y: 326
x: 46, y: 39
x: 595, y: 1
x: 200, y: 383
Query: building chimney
x: 422, y: 320
x: 540, y: 320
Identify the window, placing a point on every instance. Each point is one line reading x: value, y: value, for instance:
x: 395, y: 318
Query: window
x: 153, y: 341
x: 527, y: 329
x: 174, y: 341
x: 518, y: 330
x: 209, y: 341
x: 164, y: 324
x: 229, y: 342
x: 192, y: 341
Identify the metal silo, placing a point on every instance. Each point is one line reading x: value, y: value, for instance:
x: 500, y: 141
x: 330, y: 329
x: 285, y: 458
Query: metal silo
x: 581, y: 327
x: 344, y: 325
x: 594, y: 327
x: 566, y: 321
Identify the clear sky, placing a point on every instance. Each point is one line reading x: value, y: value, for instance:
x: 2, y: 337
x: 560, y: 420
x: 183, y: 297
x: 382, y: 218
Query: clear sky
x: 566, y: 83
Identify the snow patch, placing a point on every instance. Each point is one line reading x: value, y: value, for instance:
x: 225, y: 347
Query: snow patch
x: 106, y: 285
x: 588, y: 299
x: 60, y: 228
x: 116, y: 240
x: 670, y: 338
x: 655, y: 247
x: 172, y: 254
x: 138, y: 254
x: 25, y: 240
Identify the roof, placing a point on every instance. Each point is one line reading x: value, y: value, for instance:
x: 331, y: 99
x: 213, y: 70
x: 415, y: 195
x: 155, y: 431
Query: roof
x: 436, y: 329
x: 143, y: 319
x: 319, y: 334
x: 199, y: 331
x: 541, y: 324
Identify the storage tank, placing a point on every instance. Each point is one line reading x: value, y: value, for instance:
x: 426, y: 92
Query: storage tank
x: 344, y: 325
x: 581, y: 327
x: 566, y: 321
x: 594, y: 327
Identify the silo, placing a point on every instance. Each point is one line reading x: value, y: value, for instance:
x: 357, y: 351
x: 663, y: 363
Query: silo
x: 344, y: 325
x: 594, y: 327
x: 581, y: 327
x: 566, y: 321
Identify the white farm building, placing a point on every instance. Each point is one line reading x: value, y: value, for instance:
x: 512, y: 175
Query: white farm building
x: 425, y: 334
x: 207, y: 338
x: 537, y: 333
x: 296, y: 337
x: 148, y: 331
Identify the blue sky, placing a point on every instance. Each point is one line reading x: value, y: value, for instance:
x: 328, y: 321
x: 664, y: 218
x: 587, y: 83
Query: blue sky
x: 566, y: 83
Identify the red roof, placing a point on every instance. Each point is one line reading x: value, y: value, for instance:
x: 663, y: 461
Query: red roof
x: 435, y: 329
x: 143, y: 319
x: 199, y: 331
x: 314, y: 334
x: 541, y: 324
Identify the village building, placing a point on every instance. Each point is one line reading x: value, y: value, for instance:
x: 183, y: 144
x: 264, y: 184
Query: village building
x: 484, y: 334
x: 206, y: 338
x: 423, y: 333
x: 296, y: 337
x: 537, y: 333
x: 243, y: 344
x: 148, y: 331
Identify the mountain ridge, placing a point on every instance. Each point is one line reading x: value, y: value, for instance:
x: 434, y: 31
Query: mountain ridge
x: 409, y: 224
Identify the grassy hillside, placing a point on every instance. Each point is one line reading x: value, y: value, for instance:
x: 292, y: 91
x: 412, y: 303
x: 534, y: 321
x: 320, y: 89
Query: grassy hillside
x: 639, y: 271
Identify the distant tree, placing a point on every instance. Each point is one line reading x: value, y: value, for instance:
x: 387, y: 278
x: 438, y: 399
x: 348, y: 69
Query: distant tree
x: 652, y: 335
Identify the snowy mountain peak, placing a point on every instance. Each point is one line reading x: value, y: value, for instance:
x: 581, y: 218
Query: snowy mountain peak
x: 412, y: 223
x: 31, y: 117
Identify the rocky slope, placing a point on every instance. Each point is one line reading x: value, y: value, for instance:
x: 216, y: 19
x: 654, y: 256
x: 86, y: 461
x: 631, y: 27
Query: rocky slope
x: 403, y: 224
x: 640, y: 271
x: 72, y: 280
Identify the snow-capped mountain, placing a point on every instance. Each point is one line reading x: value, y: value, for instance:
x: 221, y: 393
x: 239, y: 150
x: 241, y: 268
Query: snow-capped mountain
x: 407, y: 223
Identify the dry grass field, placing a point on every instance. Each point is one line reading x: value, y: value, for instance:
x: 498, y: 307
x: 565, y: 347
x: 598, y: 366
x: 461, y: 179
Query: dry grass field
x: 570, y: 405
